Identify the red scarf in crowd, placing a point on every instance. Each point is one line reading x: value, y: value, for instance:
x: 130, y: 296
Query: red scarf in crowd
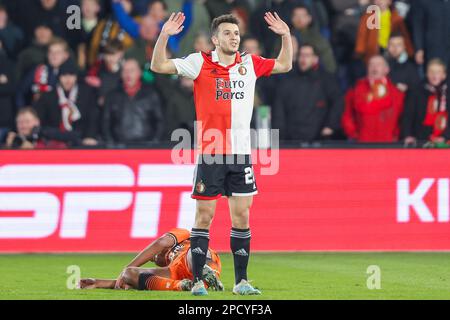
x: 132, y: 90
x: 437, y: 115
x: 40, y: 81
x: 69, y: 110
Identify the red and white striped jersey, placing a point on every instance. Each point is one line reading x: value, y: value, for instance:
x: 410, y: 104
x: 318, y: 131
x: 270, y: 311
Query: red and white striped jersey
x: 224, y: 98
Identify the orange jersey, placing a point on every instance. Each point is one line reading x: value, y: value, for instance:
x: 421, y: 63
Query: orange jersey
x: 180, y: 266
x: 182, y: 243
x: 224, y: 98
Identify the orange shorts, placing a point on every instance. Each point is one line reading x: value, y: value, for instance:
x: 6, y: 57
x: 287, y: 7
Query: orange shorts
x: 179, y: 268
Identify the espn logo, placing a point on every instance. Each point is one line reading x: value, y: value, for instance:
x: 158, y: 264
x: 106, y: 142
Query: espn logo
x: 33, y: 187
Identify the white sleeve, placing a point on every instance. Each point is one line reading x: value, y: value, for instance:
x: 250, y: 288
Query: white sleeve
x: 189, y: 66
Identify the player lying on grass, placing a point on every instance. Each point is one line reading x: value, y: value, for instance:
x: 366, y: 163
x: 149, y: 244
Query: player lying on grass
x: 172, y: 254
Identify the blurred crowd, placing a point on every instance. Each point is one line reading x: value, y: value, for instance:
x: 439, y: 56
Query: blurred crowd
x: 361, y: 73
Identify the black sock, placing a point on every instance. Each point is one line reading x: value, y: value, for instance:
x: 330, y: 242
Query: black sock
x: 240, y: 246
x: 199, y: 249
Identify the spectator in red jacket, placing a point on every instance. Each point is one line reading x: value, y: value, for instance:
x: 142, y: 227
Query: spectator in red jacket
x: 374, y: 106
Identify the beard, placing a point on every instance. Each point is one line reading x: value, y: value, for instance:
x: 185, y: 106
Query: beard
x: 229, y: 52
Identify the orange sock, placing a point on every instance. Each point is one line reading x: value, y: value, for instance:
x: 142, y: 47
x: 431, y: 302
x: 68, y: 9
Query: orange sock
x: 162, y: 284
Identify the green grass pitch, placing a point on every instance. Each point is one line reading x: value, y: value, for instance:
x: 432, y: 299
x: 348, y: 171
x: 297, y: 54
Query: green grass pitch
x: 284, y: 276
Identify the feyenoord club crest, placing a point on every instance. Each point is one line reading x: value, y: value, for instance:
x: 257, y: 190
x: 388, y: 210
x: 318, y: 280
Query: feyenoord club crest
x: 380, y: 90
x: 242, y: 70
x: 200, y: 187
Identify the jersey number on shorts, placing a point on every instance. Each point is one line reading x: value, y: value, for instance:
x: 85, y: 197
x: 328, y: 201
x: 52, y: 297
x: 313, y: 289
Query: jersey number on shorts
x: 249, y: 176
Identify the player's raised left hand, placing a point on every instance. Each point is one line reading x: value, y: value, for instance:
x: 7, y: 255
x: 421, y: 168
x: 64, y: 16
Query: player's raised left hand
x: 276, y: 24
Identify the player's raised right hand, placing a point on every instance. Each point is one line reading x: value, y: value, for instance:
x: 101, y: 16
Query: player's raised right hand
x: 174, y: 25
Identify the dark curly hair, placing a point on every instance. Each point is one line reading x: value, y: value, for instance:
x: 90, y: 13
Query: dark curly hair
x: 226, y: 18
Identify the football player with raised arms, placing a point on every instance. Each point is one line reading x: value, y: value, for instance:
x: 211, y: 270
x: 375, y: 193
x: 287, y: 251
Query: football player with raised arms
x: 224, y: 88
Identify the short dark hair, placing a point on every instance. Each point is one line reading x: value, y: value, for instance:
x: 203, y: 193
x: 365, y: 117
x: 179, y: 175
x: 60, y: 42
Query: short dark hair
x: 226, y: 18
x: 113, y: 46
x: 302, y: 7
x: 27, y: 109
x: 163, y: 3
x: 310, y: 45
x: 396, y: 34
x: 249, y: 37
